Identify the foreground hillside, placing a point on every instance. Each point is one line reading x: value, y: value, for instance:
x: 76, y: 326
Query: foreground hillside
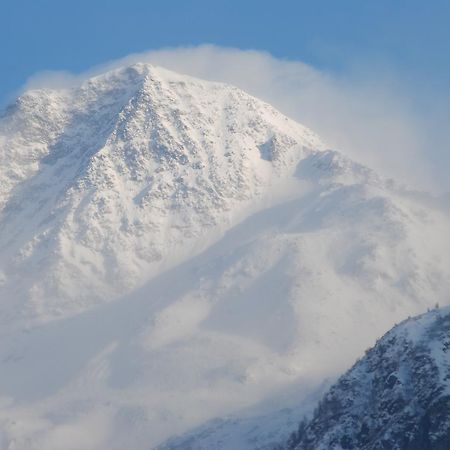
x: 396, y: 397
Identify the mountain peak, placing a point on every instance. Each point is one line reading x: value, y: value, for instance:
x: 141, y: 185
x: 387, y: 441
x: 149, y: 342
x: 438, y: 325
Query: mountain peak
x: 109, y: 167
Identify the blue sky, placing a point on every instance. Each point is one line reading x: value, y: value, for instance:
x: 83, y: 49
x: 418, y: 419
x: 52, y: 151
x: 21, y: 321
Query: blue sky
x: 410, y: 36
x: 394, y: 52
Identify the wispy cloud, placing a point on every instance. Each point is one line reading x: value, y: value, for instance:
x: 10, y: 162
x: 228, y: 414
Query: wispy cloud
x: 369, y: 114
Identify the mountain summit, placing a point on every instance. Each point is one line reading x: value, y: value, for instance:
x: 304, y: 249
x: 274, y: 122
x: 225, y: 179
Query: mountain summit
x: 105, y: 183
x: 174, y: 250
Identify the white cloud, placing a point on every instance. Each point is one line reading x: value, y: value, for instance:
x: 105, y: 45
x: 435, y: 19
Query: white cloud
x: 368, y: 115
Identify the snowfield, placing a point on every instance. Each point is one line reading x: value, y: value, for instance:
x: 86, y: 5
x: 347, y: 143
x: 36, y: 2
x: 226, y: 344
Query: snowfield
x: 177, y: 258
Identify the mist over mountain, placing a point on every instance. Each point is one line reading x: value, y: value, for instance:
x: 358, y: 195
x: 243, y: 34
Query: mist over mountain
x: 174, y: 251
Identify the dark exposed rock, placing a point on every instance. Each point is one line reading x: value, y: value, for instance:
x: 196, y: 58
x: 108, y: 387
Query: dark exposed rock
x: 395, y: 398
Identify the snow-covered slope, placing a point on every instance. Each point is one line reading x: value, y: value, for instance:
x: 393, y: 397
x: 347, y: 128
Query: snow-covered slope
x: 396, y: 397
x: 174, y: 250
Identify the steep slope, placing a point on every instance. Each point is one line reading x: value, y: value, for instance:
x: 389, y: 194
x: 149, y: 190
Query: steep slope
x: 258, y: 254
x: 105, y: 184
x: 396, y: 397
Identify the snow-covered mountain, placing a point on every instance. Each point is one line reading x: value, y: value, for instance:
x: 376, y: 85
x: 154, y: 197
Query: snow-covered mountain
x: 104, y: 185
x: 396, y: 397
x: 174, y: 250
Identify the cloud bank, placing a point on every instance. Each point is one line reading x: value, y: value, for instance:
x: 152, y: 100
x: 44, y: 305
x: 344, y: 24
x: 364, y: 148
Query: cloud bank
x: 368, y: 114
